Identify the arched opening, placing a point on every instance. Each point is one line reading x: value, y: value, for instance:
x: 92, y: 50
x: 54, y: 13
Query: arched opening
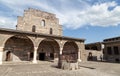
x: 70, y: 52
x: 51, y: 31
x: 33, y: 28
x: 90, y: 57
x: 18, y: 48
x: 43, y: 23
x: 48, y: 50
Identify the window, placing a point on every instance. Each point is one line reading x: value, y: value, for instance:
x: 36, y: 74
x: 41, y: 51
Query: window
x: 43, y: 23
x: 116, y: 51
x: 51, y: 31
x: 109, y: 50
x: 33, y: 28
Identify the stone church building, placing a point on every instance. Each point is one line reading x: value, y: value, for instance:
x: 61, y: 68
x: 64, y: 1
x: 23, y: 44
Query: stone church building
x: 38, y: 36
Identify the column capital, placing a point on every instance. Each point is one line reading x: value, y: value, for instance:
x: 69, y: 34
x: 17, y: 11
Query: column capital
x: 1, y: 49
x: 79, y: 60
x: 35, y: 48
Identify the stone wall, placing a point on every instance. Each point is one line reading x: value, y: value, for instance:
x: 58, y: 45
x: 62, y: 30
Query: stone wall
x: 42, y: 23
x: 33, y: 17
x: 113, y: 57
x: 95, y: 54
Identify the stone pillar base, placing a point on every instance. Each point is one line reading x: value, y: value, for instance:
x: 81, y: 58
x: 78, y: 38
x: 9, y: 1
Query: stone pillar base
x: 1, y: 55
x: 34, y: 62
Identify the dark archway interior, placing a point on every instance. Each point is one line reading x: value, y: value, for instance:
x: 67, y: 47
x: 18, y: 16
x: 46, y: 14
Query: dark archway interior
x: 48, y: 50
x: 117, y: 60
x: 20, y: 48
x: 70, y: 52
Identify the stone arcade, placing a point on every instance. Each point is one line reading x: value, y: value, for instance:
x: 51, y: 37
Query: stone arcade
x: 38, y: 37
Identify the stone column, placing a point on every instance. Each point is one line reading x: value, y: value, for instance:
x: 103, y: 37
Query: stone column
x: 1, y: 55
x: 28, y: 53
x: 55, y: 57
x: 35, y: 55
x: 60, y: 58
x: 79, y: 59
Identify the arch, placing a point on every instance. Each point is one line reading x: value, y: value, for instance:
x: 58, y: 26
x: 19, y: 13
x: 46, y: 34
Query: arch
x: 20, y: 48
x: 70, y: 51
x: 48, y: 49
x: 90, y: 57
x: 43, y: 23
x: 4, y: 39
x: 33, y: 28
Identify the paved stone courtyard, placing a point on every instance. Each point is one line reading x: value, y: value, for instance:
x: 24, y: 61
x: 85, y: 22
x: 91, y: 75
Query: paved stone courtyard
x: 49, y: 69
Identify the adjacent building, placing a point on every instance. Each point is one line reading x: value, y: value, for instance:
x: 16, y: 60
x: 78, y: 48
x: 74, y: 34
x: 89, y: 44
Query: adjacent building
x: 94, y: 51
x: 112, y: 49
x: 108, y: 50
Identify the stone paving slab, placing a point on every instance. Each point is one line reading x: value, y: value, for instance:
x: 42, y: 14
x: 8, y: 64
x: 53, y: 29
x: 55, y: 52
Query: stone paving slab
x: 49, y: 69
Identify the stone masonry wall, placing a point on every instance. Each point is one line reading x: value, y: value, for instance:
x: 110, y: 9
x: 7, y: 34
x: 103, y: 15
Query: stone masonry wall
x: 113, y: 56
x: 33, y: 17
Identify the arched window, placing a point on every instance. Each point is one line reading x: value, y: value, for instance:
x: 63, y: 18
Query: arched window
x: 51, y: 31
x: 33, y: 28
x: 43, y: 23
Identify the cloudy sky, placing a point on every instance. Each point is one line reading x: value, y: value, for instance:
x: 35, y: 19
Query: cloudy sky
x: 93, y: 20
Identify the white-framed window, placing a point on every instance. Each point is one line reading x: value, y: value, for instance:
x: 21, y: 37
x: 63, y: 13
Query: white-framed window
x: 43, y: 23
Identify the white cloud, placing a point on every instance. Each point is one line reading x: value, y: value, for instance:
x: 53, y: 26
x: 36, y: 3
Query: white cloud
x: 72, y: 14
x: 96, y: 15
x: 7, y: 22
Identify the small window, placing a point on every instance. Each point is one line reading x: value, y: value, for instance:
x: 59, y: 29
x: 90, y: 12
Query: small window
x: 43, y: 23
x: 51, y: 31
x: 33, y: 28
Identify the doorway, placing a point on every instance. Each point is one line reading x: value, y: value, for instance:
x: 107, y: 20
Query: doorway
x: 42, y: 56
x: 117, y: 60
x: 8, y: 55
x: 52, y: 55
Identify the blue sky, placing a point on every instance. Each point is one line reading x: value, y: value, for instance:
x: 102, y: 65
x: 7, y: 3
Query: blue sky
x: 93, y: 20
